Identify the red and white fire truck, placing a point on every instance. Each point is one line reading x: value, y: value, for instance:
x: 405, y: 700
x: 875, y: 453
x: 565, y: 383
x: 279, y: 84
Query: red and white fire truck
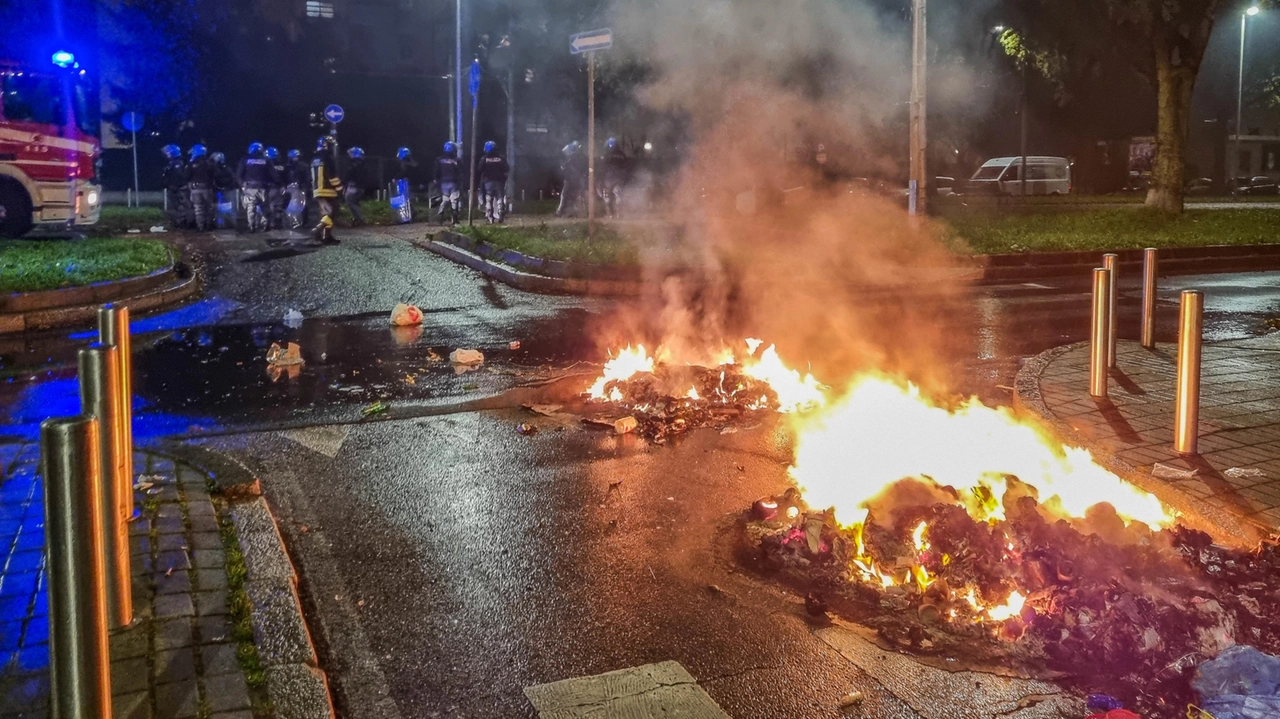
x: 49, y: 148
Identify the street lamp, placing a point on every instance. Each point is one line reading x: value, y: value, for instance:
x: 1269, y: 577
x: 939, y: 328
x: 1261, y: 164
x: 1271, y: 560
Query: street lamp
x: 1244, y: 25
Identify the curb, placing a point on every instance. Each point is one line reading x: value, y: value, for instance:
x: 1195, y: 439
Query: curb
x: 1027, y: 398
x: 88, y: 313
x: 1173, y: 261
x: 530, y: 282
x: 96, y: 293
x: 537, y: 265
x: 297, y: 686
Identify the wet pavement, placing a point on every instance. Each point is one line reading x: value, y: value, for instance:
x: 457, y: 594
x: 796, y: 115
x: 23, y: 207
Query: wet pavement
x: 449, y: 562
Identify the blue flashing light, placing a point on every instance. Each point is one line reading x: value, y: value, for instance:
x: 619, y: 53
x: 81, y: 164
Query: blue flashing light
x: 62, y: 58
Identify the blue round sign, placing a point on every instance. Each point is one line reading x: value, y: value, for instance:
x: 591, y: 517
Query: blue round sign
x: 334, y: 113
x: 131, y: 121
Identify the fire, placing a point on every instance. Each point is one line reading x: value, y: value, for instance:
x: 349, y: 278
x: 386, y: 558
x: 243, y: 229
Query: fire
x: 883, y: 431
x: 1010, y: 609
x: 628, y: 363
x: 795, y: 391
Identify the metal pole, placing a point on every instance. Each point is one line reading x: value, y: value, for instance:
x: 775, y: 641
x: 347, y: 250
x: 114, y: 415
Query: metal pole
x: 1186, y: 410
x: 79, y: 658
x: 135, y: 162
x: 1022, y: 171
x: 471, y: 193
x: 113, y: 329
x: 511, y: 137
x: 100, y: 397
x: 919, y: 192
x: 457, y: 73
x: 1150, y: 269
x: 453, y: 117
x: 591, y: 145
x: 1099, y: 331
x: 1231, y: 171
x: 1111, y: 262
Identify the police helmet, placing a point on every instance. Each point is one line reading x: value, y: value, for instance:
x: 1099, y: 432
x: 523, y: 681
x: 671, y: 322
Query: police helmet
x: 322, y: 143
x: 450, y: 148
x: 403, y: 153
x: 293, y: 154
x: 490, y: 146
x: 572, y: 147
x: 255, y: 148
x: 611, y: 143
x: 218, y: 158
x: 171, y: 151
x: 198, y: 150
x: 272, y: 153
x: 355, y: 152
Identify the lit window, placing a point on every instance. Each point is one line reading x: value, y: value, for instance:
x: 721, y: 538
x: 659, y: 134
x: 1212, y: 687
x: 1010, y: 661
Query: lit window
x: 320, y: 8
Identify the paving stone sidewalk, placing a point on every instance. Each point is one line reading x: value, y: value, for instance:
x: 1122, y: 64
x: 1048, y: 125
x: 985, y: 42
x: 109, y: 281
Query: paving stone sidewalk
x: 179, y: 658
x: 1238, y: 466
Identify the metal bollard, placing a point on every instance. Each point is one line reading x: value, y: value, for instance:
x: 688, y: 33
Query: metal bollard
x: 113, y: 329
x: 1150, y: 268
x: 1186, y: 409
x: 1112, y: 262
x: 100, y: 397
x: 79, y: 657
x: 1099, y: 332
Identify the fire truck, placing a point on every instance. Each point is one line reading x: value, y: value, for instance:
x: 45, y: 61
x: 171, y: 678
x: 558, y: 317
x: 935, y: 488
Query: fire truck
x: 49, y: 148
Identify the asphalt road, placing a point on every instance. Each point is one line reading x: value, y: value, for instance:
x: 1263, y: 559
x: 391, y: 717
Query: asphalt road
x: 448, y: 561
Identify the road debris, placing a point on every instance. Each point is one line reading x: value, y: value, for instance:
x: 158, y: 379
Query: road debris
x: 406, y: 316
x: 1242, y: 472
x: 1240, y: 683
x: 625, y: 425
x: 850, y: 700
x: 546, y: 410
x: 526, y: 429
x: 375, y: 408
x: 1164, y: 471
x: 466, y: 356
x: 290, y: 355
x: 293, y: 319
x: 514, y: 345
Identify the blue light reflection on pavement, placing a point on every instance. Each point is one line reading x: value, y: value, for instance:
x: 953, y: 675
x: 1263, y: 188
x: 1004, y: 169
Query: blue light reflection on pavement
x: 60, y: 397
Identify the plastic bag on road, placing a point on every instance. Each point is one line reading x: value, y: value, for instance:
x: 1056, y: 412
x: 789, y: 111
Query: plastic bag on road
x: 1164, y: 471
x: 1242, y: 472
x: 284, y: 356
x: 293, y: 319
x: 1239, y: 670
x: 406, y: 316
x: 1235, y: 706
x: 466, y: 356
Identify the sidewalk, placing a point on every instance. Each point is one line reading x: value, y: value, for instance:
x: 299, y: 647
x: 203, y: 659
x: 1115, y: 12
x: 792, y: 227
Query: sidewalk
x: 181, y: 657
x: 1238, y: 468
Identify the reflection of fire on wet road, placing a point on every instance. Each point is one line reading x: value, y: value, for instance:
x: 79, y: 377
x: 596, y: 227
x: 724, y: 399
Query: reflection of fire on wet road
x: 965, y: 531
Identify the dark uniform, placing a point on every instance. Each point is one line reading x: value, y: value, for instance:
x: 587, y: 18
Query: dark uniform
x: 357, y: 182
x: 324, y: 187
x: 493, y: 184
x: 448, y: 175
x: 254, y: 175
x: 225, y: 183
x: 201, y: 182
x: 402, y: 199
x: 297, y: 178
x: 276, y: 195
x: 574, y: 171
x: 614, y: 177
x: 174, y: 177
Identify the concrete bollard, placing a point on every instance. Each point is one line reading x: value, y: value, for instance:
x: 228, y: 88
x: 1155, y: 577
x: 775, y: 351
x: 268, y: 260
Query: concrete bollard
x: 79, y: 657
x: 1186, y: 409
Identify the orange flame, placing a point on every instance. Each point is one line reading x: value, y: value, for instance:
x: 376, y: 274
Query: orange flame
x: 628, y: 363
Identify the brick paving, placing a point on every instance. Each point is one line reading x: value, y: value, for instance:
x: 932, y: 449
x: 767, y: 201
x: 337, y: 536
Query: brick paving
x: 178, y: 659
x: 1239, y: 418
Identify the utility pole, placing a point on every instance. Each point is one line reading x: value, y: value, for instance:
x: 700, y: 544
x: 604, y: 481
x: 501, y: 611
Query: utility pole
x: 453, y: 118
x: 918, y: 202
x: 591, y: 145
x: 457, y: 76
x: 511, y: 134
x: 1022, y: 171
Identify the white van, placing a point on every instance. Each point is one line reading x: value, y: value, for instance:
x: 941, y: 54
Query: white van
x: 1045, y: 176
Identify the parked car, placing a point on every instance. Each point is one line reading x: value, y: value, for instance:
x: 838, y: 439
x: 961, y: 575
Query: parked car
x: 1003, y: 175
x: 1255, y: 186
x: 1201, y: 186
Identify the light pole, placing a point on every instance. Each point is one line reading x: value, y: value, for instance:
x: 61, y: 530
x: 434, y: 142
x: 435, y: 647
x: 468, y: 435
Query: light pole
x: 457, y: 75
x: 1244, y: 25
x: 919, y: 188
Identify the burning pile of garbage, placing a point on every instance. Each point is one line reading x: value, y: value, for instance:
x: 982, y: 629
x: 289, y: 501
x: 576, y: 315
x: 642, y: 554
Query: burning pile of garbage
x: 966, y: 533
x: 667, y: 398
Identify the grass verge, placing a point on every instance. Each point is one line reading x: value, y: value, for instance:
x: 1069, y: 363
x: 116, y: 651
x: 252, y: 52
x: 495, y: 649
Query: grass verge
x: 561, y: 241
x: 241, y: 616
x: 31, y: 265
x: 117, y: 220
x: 1119, y: 229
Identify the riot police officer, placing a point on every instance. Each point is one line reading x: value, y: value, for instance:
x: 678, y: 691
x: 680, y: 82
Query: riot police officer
x: 201, y: 181
x: 254, y: 175
x: 225, y: 182
x: 614, y: 176
x: 402, y: 200
x: 357, y: 181
x: 324, y: 187
x: 297, y: 178
x: 493, y: 182
x: 275, y: 190
x: 175, y: 186
x: 574, y: 171
x: 448, y: 175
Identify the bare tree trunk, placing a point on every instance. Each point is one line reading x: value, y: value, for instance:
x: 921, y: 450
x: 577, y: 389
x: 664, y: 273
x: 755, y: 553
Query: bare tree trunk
x: 1175, y: 83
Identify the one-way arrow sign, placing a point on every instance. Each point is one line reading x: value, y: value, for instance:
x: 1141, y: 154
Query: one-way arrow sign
x: 590, y: 41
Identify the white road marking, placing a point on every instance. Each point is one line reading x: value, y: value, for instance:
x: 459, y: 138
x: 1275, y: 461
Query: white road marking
x: 653, y: 690
x: 326, y: 440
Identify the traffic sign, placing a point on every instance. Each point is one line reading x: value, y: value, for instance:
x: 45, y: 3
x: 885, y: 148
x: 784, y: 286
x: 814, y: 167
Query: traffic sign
x: 590, y: 41
x: 131, y: 121
x: 334, y: 113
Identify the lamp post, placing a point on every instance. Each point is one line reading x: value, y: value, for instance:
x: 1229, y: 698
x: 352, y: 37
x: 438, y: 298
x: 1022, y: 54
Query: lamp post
x: 1244, y: 26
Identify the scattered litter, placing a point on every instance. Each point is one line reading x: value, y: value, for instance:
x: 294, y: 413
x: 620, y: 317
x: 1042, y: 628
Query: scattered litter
x: 546, y: 410
x: 1114, y: 714
x: 466, y: 356
x: 729, y: 430
x: 408, y: 379
x: 158, y: 228
x: 469, y: 387
x: 1102, y: 703
x: 141, y: 486
x: 293, y: 319
x: 515, y: 345
x: 432, y: 356
x: 135, y: 231
x: 1164, y: 471
x: 375, y: 408
x: 850, y: 700
x: 625, y: 425
x: 406, y: 315
x: 526, y: 429
x: 290, y: 355
x: 1242, y: 472
x: 147, y: 481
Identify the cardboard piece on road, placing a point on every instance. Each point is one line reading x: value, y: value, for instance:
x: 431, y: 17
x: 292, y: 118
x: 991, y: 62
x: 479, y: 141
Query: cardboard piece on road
x: 321, y: 440
x: 941, y: 694
x: 652, y: 690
